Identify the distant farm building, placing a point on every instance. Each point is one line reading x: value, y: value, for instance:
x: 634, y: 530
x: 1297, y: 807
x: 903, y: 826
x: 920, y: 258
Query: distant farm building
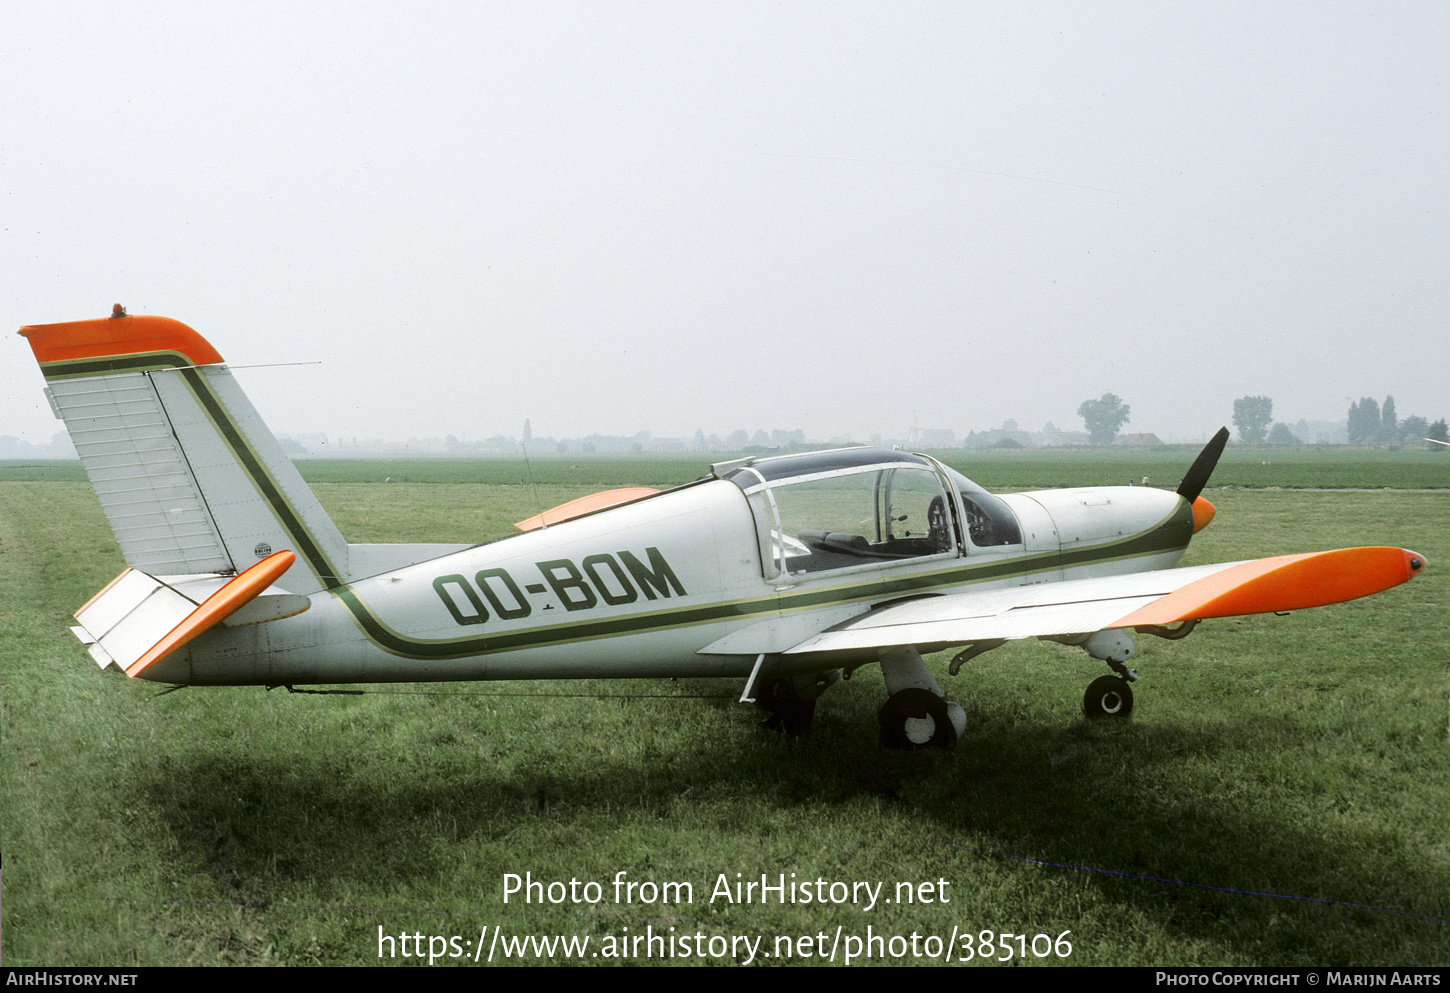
x: 995, y: 437
x: 1058, y: 439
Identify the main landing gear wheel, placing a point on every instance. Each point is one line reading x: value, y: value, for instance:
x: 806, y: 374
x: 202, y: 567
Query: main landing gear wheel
x: 789, y: 712
x: 916, y: 718
x: 1108, y: 696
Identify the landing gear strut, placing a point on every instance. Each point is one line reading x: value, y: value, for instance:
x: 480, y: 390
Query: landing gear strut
x: 916, y: 718
x: 1109, y: 696
x: 916, y: 715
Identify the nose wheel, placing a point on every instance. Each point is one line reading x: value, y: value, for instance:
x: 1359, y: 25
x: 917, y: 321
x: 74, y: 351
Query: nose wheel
x: 1108, y: 696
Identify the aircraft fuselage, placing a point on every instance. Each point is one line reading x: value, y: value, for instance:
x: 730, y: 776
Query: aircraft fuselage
x: 671, y: 585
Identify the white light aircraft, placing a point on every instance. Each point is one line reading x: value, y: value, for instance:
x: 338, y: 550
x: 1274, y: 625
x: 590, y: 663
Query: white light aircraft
x: 782, y: 570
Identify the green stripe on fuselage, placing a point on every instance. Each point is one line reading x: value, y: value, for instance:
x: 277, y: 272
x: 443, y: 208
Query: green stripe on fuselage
x: 1171, y: 534
x: 1168, y: 535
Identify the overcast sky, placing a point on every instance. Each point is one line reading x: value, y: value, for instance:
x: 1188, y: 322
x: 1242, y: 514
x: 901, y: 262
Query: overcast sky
x: 845, y: 218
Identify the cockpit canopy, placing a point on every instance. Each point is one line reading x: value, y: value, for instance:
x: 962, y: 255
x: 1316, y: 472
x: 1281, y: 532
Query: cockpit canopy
x: 863, y: 506
x: 990, y: 521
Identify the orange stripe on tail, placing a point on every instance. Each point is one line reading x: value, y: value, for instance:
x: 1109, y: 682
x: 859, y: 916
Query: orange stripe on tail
x: 108, y: 337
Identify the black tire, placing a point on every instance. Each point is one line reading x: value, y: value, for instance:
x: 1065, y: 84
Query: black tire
x: 916, y: 718
x: 1108, y: 696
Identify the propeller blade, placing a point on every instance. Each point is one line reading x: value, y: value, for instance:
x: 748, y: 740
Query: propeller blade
x: 1197, y: 476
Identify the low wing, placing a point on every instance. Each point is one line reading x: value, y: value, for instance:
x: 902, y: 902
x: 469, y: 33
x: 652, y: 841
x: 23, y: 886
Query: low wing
x: 585, y: 505
x: 1167, y: 596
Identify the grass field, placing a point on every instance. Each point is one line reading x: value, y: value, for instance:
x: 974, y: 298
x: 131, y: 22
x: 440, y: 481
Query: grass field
x: 1306, y: 756
x: 1308, y: 467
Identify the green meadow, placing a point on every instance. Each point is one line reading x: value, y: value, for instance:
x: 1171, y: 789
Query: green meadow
x: 1281, y: 794
x: 1253, y: 466
x: 1298, y: 467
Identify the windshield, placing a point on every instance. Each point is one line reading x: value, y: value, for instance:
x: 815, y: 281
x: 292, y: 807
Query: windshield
x: 990, y: 521
x: 834, y: 510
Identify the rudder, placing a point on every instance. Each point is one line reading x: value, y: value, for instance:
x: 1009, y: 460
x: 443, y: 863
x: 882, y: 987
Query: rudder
x: 188, y: 475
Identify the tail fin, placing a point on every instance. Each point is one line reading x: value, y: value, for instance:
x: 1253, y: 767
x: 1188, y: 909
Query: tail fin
x: 189, y: 477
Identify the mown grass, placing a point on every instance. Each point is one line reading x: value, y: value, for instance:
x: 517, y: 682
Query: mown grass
x: 1306, y: 755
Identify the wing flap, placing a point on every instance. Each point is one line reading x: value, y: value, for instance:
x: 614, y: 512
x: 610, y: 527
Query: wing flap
x: 1167, y: 596
x: 1019, y: 622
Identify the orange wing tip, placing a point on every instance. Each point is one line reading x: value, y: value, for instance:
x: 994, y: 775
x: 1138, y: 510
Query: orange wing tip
x: 1203, y: 512
x: 112, y: 337
x: 1286, y: 582
x: 585, y: 505
x: 245, y: 587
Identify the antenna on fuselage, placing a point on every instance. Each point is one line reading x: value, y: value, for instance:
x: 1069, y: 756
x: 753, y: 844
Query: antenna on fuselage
x: 529, y: 466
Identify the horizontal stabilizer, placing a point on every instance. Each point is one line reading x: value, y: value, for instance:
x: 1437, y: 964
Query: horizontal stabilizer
x: 139, y: 619
x: 585, y: 505
x: 1141, y: 599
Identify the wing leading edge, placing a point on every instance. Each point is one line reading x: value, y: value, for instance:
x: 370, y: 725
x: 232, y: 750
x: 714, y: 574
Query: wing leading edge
x: 1167, y: 596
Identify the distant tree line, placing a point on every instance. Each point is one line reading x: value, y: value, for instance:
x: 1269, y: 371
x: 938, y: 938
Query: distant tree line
x: 1252, y: 417
x: 1371, y: 423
